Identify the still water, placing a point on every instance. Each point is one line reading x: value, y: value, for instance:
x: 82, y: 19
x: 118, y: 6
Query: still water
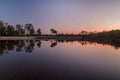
x: 58, y: 60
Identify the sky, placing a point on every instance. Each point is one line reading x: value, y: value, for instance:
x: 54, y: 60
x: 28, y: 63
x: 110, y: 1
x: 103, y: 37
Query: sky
x: 66, y: 16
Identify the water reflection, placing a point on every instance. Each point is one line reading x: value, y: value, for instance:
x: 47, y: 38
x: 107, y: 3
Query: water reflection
x: 82, y: 61
x: 18, y: 45
x: 28, y: 45
x: 53, y: 44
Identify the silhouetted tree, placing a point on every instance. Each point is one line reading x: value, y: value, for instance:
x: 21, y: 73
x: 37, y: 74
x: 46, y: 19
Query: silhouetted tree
x: 30, y: 29
x: 2, y: 28
x: 10, y: 30
x: 53, y: 31
x: 20, y: 30
x: 83, y: 32
x: 39, y: 31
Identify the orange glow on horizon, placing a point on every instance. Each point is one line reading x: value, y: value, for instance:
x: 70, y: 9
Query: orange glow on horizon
x: 77, y: 31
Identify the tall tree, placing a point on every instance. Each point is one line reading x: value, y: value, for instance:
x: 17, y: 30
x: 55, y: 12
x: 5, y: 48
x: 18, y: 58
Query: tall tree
x: 30, y: 29
x: 20, y: 30
x: 10, y: 30
x: 39, y: 31
x: 53, y: 31
x: 2, y: 28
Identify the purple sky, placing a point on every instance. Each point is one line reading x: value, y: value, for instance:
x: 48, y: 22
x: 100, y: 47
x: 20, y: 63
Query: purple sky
x: 63, y: 15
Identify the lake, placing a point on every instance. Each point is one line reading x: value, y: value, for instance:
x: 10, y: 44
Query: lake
x: 58, y: 60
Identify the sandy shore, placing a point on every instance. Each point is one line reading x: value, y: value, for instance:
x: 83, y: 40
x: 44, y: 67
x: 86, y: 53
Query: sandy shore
x: 16, y: 38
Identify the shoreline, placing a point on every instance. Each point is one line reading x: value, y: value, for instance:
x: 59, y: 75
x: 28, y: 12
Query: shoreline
x: 16, y: 38
x: 38, y: 38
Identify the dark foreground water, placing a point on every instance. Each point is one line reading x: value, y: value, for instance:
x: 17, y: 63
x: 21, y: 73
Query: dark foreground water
x: 58, y: 60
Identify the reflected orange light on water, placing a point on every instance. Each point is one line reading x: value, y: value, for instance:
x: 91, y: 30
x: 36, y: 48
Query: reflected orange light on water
x: 86, y: 44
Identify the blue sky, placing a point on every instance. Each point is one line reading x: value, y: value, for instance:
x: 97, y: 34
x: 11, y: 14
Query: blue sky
x: 63, y: 15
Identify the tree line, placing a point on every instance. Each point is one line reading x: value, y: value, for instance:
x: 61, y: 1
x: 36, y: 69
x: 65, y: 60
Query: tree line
x: 20, y: 30
x: 28, y: 30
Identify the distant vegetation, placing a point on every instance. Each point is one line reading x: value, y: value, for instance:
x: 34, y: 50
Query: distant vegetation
x: 106, y: 37
x: 28, y: 30
x: 21, y: 30
x: 18, y: 30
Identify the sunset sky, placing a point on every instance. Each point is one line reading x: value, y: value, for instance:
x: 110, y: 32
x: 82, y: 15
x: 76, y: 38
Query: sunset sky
x: 67, y: 16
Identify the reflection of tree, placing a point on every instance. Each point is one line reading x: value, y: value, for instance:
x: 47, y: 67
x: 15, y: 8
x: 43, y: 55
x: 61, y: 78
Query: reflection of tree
x: 38, y: 43
x: 116, y: 44
x: 10, y: 45
x: 20, y: 46
x: 6, y: 45
x: 83, y: 42
x: 53, y: 44
x: 30, y: 46
x: 60, y: 41
x: 2, y: 48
